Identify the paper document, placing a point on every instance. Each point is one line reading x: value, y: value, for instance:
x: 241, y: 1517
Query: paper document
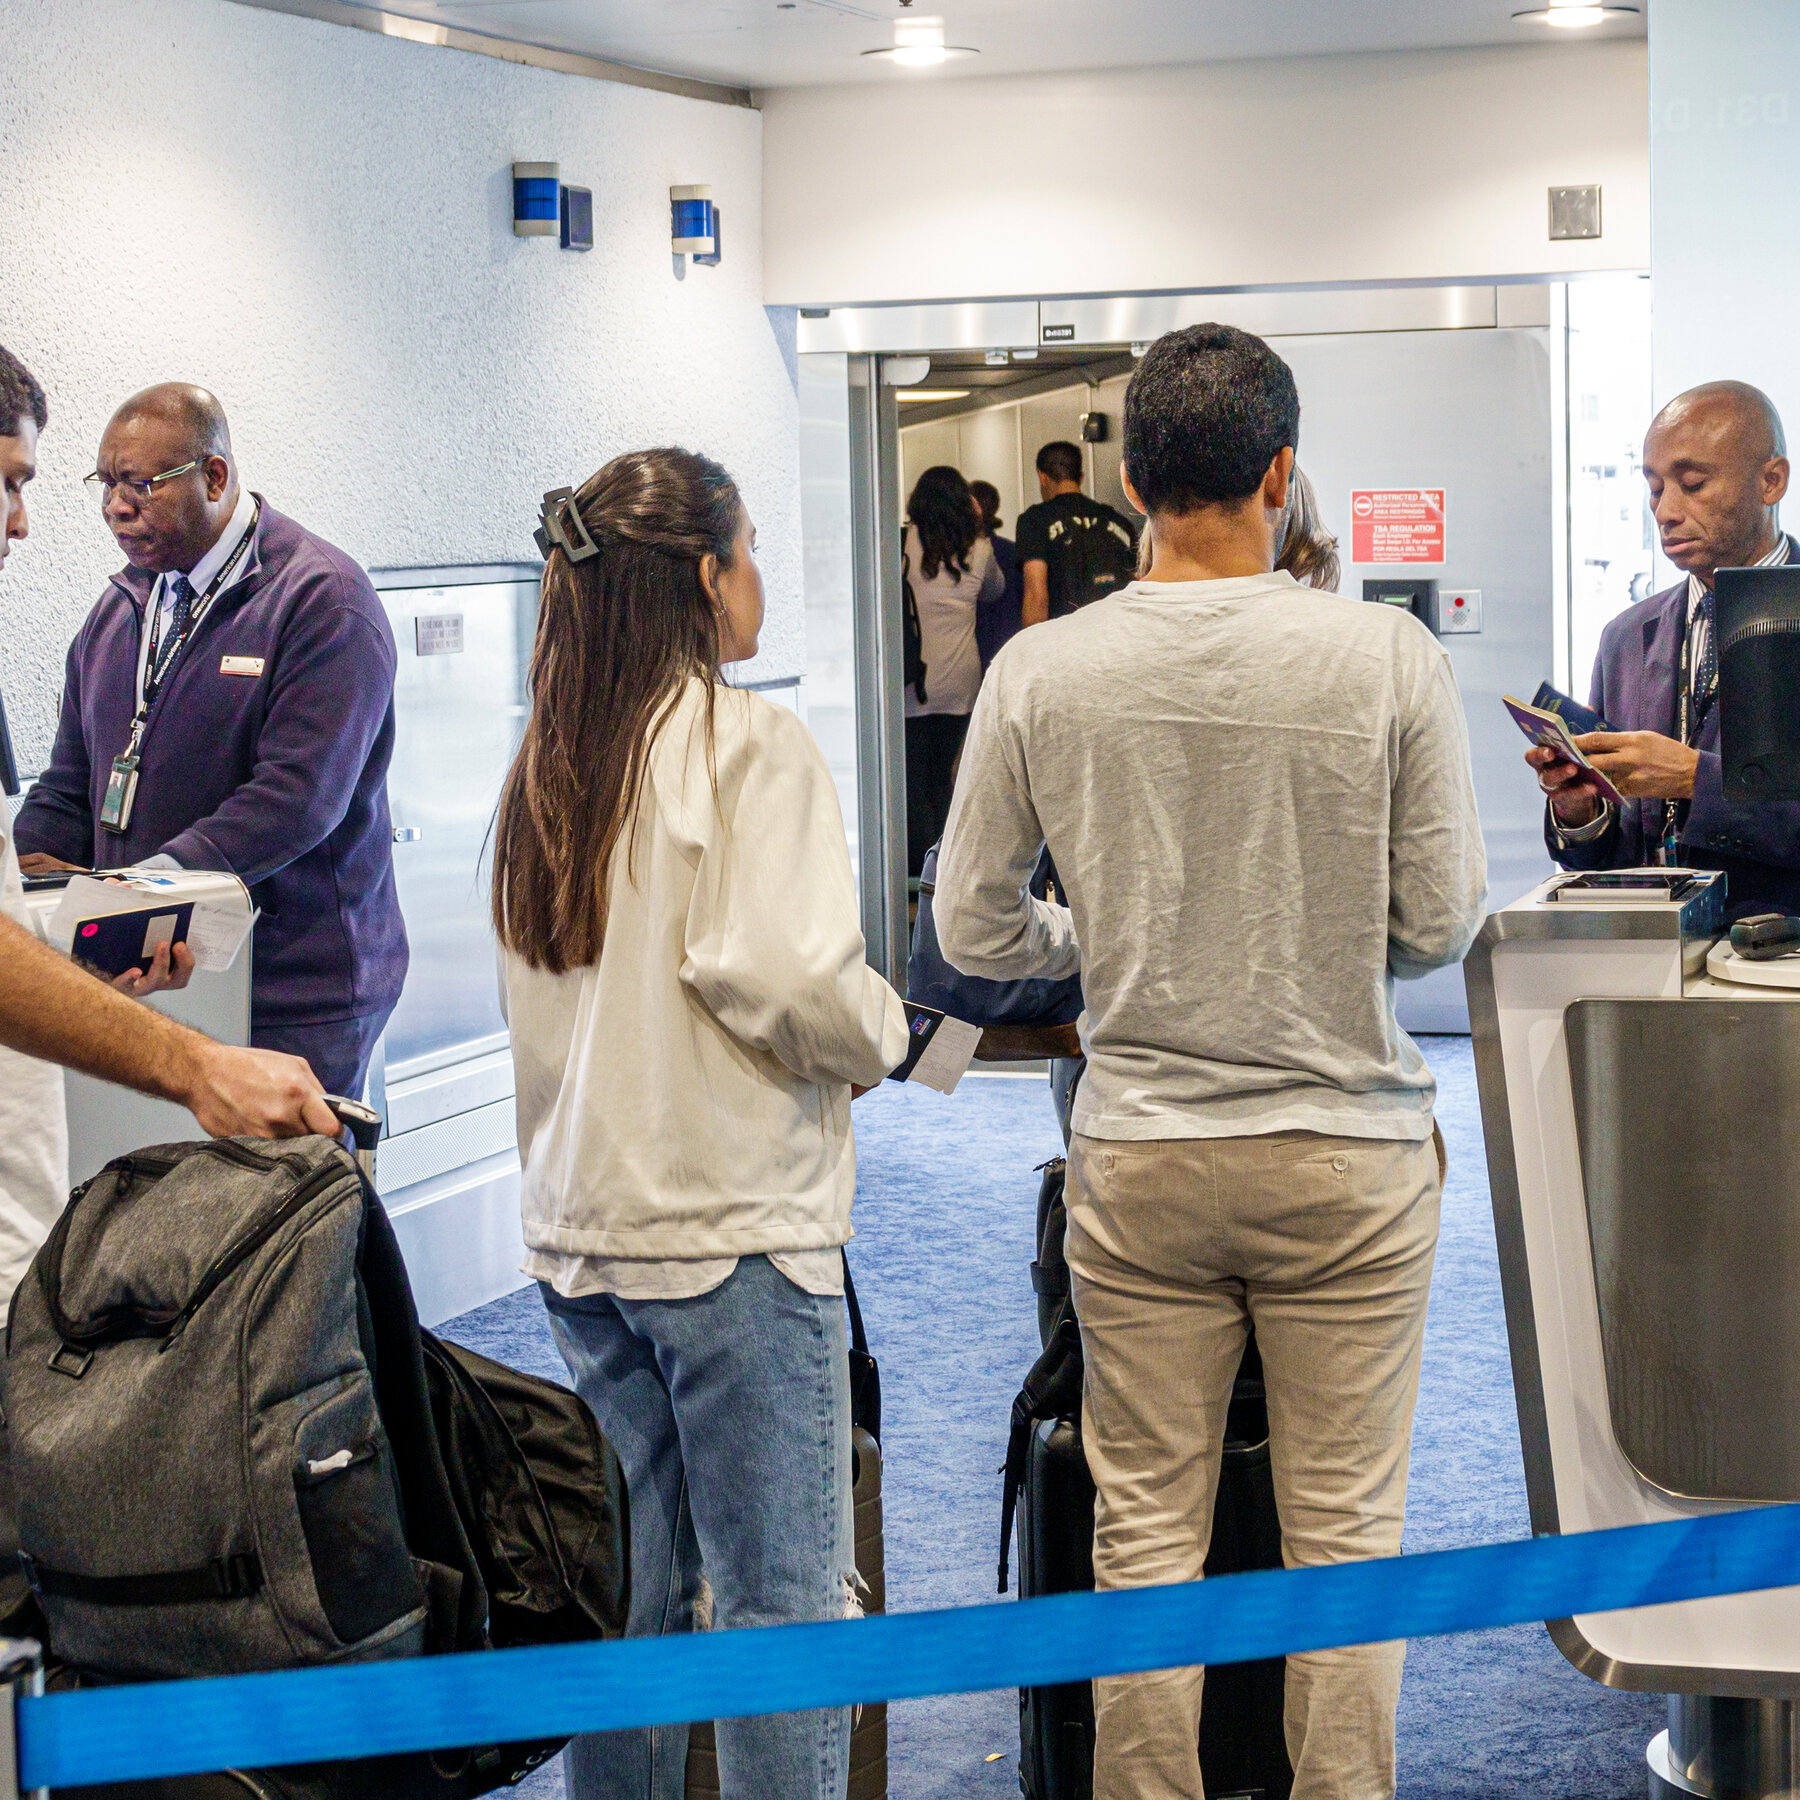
x: 216, y: 934
x: 942, y: 1048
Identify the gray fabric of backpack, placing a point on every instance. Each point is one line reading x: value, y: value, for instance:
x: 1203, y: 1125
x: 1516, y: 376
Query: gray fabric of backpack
x: 203, y: 1478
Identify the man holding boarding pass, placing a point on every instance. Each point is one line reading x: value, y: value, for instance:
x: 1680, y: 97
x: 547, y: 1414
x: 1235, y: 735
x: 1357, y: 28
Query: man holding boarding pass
x: 1716, y: 463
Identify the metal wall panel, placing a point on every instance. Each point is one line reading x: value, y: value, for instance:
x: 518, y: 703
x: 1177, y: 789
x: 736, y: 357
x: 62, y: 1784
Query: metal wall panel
x: 1467, y: 411
x: 957, y: 325
x: 1139, y: 319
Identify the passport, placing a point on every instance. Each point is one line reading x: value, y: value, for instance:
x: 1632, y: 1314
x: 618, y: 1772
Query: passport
x: 1579, y: 719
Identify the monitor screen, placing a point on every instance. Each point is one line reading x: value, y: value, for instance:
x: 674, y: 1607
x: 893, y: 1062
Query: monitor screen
x: 9, y: 769
x: 1759, y: 679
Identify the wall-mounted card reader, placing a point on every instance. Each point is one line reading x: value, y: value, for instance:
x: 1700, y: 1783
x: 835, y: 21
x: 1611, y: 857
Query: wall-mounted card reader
x: 1410, y: 594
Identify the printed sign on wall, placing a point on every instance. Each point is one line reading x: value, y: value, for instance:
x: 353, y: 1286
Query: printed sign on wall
x: 1397, y: 525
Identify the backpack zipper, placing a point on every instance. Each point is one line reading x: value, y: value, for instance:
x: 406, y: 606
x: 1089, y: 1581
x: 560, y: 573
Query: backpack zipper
x: 247, y: 1246
x: 127, y: 1168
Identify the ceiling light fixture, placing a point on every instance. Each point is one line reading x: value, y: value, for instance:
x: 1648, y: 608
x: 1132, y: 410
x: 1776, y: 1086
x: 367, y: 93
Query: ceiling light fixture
x: 919, y: 44
x: 1574, y: 15
x: 918, y: 396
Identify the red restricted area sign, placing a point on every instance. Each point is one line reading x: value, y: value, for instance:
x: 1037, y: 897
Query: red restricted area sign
x: 1397, y: 525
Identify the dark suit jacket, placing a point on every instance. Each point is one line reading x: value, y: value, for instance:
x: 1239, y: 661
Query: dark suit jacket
x: 1636, y: 679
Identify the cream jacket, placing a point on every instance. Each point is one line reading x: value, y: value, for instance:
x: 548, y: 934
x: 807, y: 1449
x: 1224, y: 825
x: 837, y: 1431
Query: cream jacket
x: 689, y: 1095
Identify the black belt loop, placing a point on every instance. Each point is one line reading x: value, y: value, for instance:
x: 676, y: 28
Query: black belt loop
x: 224, y: 1578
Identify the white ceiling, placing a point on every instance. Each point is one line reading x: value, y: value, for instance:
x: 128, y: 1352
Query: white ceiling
x: 763, y: 43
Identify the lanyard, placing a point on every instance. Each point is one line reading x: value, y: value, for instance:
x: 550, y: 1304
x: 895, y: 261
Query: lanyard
x: 1689, y: 722
x: 153, y: 670
x: 158, y: 658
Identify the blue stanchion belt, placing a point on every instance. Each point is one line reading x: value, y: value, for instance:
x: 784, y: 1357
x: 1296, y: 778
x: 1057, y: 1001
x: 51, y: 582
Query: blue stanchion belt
x: 310, y: 1715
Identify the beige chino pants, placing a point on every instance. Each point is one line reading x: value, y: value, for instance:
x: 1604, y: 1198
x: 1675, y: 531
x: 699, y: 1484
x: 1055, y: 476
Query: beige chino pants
x: 1176, y: 1246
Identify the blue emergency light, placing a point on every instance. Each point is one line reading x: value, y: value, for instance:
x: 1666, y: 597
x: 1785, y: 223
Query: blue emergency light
x: 537, y: 200
x: 694, y: 223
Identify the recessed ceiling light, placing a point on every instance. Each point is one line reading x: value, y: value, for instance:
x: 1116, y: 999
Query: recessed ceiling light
x: 1573, y: 15
x: 914, y: 396
x: 919, y: 44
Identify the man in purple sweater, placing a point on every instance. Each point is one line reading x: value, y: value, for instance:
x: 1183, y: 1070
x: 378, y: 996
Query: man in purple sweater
x: 229, y: 704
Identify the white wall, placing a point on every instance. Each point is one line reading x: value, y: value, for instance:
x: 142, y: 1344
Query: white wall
x: 316, y: 223
x: 1725, y: 147
x: 1430, y: 165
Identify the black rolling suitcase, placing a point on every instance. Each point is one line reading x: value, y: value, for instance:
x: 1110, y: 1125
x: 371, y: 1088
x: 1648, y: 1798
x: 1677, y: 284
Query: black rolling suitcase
x: 1243, y: 1750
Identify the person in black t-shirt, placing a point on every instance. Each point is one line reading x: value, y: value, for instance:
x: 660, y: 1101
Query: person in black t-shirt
x: 1072, y: 550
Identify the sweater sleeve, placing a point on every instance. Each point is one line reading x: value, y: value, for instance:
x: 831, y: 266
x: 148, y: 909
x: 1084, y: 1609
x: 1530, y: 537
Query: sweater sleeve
x: 1437, y: 866
x: 988, y: 921
x: 773, y: 947
x: 57, y: 818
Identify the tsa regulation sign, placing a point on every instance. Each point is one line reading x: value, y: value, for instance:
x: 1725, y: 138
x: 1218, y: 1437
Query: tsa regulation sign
x: 1397, y: 525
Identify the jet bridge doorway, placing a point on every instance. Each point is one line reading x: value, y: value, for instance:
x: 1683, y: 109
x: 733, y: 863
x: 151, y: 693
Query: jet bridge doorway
x: 1412, y: 390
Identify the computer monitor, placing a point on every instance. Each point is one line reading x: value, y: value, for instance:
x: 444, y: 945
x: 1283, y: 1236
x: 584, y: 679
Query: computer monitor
x: 1759, y: 681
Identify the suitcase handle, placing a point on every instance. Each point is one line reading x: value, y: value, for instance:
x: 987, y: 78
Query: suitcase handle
x: 364, y: 1125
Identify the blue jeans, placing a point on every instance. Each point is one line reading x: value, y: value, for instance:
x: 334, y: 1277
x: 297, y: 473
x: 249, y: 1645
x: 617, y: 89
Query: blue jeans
x: 731, y: 1415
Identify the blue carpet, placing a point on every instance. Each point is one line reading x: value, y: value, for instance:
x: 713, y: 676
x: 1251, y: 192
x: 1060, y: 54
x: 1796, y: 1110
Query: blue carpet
x: 944, y: 1222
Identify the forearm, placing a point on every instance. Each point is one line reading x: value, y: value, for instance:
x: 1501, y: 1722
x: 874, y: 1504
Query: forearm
x: 1437, y: 864
x: 52, y: 1010
x: 1035, y: 607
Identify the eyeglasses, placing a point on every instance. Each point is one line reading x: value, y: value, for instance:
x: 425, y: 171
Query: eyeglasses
x: 140, y: 490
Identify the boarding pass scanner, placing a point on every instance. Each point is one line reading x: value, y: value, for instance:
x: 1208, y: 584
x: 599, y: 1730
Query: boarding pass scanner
x: 106, y: 1121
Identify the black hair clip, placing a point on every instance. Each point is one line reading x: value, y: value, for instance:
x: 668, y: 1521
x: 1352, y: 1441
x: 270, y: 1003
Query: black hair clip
x: 561, y: 526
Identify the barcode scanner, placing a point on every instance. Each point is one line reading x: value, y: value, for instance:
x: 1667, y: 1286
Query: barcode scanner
x: 1764, y: 936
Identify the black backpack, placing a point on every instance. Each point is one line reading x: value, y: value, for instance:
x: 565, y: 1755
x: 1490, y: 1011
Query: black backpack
x: 912, y: 633
x: 1096, y: 555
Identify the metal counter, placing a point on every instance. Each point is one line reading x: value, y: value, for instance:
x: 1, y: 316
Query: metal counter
x: 1642, y: 1122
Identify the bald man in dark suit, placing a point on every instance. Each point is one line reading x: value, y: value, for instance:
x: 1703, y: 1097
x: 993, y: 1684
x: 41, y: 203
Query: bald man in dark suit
x: 1715, y: 459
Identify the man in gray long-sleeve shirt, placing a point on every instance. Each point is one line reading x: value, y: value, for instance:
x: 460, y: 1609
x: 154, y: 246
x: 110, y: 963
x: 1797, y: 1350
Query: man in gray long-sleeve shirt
x: 1259, y: 805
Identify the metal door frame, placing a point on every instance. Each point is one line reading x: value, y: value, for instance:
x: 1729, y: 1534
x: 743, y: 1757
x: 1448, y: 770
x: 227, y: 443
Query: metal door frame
x: 880, y: 705
x: 868, y: 335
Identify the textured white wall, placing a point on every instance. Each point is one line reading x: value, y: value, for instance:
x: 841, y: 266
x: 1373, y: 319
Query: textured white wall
x: 1422, y: 166
x: 316, y: 223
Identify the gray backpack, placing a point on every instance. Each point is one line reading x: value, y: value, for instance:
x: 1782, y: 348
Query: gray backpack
x: 206, y: 1374
x: 232, y: 1448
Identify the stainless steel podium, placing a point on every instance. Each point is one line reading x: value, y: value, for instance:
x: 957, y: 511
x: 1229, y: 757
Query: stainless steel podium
x: 1643, y: 1135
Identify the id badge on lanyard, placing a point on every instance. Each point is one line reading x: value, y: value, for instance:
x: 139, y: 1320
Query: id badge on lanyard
x: 121, y: 791
x: 1668, y: 852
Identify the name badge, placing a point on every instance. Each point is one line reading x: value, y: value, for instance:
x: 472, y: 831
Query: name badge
x: 240, y: 665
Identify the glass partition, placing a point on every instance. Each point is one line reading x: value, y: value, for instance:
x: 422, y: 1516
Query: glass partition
x: 1612, y: 536
x: 464, y: 641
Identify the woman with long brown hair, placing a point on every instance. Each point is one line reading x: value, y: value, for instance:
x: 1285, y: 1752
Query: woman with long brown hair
x: 691, y: 1014
x: 950, y: 571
